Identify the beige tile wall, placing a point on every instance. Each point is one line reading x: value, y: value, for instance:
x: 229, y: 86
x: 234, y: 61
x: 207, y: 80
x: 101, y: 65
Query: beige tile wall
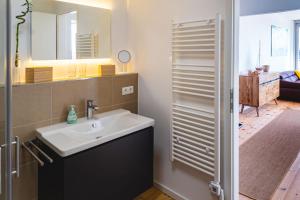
x: 38, y: 105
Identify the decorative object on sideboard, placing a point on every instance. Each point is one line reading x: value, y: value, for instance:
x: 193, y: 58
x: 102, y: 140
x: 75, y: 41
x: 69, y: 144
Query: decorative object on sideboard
x: 124, y: 58
x: 259, y: 70
x: 259, y: 54
x: 22, y: 19
x: 266, y: 68
x: 107, y: 70
x: 250, y: 72
x: 253, y: 73
x: 38, y: 74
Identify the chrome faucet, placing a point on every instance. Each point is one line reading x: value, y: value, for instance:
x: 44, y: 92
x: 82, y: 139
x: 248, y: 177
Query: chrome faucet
x: 90, y: 107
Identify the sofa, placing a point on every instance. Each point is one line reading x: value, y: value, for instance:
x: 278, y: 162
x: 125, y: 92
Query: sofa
x: 289, y: 86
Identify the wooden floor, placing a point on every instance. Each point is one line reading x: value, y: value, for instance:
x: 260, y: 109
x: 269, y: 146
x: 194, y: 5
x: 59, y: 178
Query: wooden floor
x: 289, y: 189
x: 153, y: 194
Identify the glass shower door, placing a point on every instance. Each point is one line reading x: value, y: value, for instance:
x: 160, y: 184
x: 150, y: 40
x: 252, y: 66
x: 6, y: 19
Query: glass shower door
x: 6, y: 139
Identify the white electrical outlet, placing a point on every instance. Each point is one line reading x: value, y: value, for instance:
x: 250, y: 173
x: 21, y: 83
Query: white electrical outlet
x: 124, y: 91
x: 127, y: 90
x: 131, y: 90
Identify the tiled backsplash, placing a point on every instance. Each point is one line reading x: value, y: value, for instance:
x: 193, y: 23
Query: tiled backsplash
x: 38, y: 105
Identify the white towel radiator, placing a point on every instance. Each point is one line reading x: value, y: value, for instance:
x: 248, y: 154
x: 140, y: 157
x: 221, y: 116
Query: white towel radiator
x: 196, y: 60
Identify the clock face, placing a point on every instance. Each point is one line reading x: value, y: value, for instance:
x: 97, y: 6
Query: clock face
x: 124, y: 56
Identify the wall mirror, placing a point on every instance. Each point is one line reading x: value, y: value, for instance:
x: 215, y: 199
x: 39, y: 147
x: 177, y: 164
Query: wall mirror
x: 63, y: 30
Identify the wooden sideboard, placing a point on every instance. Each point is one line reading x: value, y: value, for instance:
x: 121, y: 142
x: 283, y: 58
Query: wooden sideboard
x: 255, y: 91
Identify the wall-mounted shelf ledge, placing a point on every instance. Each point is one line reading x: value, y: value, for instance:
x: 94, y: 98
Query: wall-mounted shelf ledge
x: 69, y: 79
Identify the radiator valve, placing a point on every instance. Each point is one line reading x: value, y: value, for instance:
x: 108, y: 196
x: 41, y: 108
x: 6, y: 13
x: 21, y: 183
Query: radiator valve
x: 216, y: 189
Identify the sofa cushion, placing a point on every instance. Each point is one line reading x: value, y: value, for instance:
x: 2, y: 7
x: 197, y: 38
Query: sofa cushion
x: 297, y: 72
x: 290, y: 84
x: 287, y: 74
x: 293, y: 78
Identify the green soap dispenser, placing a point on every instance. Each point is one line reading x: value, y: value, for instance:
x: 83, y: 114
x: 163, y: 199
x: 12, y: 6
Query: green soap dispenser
x: 72, y: 117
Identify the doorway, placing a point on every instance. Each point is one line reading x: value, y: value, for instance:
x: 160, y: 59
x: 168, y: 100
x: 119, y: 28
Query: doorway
x: 269, y: 142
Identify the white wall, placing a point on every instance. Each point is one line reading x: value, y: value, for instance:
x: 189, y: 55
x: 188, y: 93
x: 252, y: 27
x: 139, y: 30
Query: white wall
x: 150, y: 41
x: 258, y: 27
x: 119, y: 28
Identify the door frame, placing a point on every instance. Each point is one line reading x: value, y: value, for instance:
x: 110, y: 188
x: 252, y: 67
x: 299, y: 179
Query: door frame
x: 296, y: 43
x: 231, y: 100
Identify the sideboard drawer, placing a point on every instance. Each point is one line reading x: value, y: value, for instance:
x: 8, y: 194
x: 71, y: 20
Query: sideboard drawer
x: 268, y: 91
x: 258, y: 90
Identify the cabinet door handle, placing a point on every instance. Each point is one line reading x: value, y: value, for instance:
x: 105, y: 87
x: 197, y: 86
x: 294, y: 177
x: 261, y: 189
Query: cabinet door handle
x: 17, y: 152
x: 33, y: 154
x: 41, y: 151
x: 1, y: 147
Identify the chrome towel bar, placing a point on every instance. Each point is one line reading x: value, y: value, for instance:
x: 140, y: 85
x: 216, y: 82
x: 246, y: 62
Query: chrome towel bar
x: 30, y: 147
x: 41, y: 151
x: 33, y: 155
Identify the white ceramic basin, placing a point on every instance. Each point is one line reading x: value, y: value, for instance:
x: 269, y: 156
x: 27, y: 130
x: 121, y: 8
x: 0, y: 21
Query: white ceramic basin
x: 67, y: 139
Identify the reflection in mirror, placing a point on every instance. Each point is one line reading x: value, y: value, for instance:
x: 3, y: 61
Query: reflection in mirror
x: 66, y: 35
x: 63, y: 30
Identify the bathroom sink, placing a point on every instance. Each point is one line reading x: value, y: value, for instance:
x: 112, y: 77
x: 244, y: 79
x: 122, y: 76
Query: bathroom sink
x: 89, y: 127
x: 66, y: 139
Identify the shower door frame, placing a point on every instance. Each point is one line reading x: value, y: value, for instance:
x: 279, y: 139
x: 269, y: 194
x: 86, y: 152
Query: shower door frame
x: 6, y: 178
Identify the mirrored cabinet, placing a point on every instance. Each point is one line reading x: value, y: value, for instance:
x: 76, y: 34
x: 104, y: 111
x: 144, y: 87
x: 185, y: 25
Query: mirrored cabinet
x: 62, y: 30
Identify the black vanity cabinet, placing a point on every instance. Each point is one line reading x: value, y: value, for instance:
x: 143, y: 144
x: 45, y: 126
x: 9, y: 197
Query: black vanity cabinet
x: 117, y: 170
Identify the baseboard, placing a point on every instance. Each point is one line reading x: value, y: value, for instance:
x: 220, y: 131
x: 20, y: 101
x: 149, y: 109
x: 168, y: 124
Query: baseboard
x: 169, y: 191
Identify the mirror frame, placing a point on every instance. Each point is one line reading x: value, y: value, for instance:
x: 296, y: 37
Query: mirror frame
x: 128, y: 54
x: 110, y: 28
